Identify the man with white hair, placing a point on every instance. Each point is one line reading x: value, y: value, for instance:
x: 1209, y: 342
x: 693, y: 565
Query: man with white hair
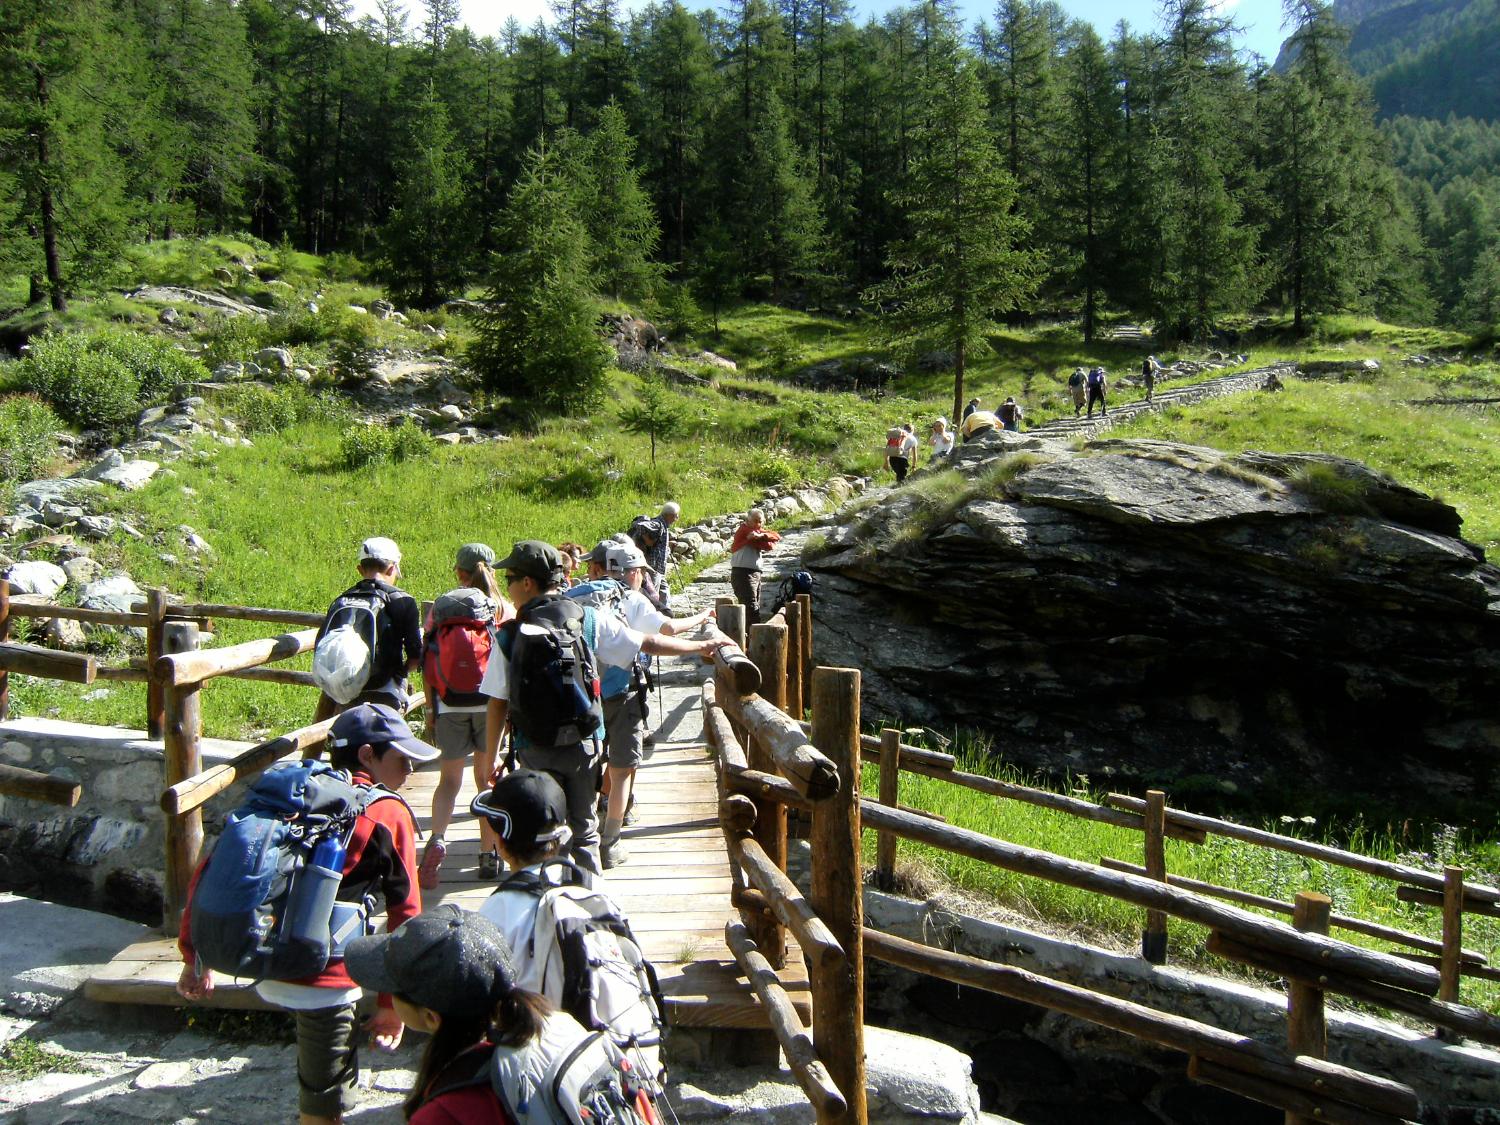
x: 654, y: 540
x: 751, y: 540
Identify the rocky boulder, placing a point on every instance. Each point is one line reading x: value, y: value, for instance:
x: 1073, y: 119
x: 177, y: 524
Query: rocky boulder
x: 1154, y: 612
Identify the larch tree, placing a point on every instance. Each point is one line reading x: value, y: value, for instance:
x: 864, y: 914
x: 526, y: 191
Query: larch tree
x: 536, y: 340
x: 961, y: 265
x: 622, y: 227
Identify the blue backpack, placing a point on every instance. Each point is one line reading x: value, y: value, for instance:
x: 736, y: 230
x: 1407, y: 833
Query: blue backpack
x: 265, y: 904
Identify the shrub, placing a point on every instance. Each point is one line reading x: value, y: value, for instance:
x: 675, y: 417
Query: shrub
x: 232, y: 339
x: 771, y: 468
x: 261, y: 410
x: 677, y: 314
x: 372, y: 445
x: 158, y: 364
x: 331, y: 323
x: 26, y: 427
x: 87, y: 387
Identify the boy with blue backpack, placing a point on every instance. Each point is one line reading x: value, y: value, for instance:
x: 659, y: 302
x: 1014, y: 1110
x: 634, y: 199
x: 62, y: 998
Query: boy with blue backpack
x: 295, y: 876
x: 547, y: 687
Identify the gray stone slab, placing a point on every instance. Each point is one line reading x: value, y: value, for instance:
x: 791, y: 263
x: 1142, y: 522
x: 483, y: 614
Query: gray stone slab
x: 50, y: 950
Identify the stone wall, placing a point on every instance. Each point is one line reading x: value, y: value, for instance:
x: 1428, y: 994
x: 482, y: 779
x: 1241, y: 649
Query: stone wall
x: 107, y: 852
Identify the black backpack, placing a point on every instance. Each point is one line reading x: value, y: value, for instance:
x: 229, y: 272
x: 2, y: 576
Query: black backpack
x: 793, y: 584
x: 554, y: 682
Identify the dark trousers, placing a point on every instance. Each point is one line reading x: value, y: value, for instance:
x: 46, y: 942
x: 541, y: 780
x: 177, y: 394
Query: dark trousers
x: 745, y: 582
x: 899, y: 467
x: 327, y: 1060
x: 1096, y: 394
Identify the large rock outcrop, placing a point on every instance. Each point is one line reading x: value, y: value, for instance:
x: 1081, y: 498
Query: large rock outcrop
x: 1268, y: 626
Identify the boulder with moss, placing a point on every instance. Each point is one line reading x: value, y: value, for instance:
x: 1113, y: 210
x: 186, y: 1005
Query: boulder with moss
x: 1144, y: 611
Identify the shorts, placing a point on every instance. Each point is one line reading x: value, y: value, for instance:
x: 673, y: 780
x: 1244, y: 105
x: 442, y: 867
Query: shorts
x: 625, y: 730
x: 327, y: 1060
x: 459, y: 734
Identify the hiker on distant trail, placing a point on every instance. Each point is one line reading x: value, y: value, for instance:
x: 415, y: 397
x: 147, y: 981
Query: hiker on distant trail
x: 1149, y: 368
x: 751, y: 540
x: 1010, y: 415
x: 1098, y: 384
x: 1077, y: 385
x: 978, y: 423
x: 378, y: 750
x: 546, y: 687
x: 458, y: 641
x: 973, y: 406
x: 616, y: 573
x: 895, y: 460
x: 371, y: 639
x: 942, y: 439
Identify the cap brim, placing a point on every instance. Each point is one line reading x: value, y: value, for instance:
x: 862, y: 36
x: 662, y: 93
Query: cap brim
x: 415, y: 749
x: 364, y: 957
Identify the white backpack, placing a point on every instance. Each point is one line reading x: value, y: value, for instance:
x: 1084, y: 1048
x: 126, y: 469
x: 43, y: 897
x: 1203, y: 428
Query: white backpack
x: 584, y: 958
x: 345, y: 653
x: 569, y: 1076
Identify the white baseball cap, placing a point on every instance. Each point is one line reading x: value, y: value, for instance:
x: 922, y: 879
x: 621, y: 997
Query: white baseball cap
x: 380, y: 549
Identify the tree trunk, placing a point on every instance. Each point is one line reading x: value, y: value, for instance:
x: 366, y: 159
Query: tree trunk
x: 958, y: 378
x: 48, y: 203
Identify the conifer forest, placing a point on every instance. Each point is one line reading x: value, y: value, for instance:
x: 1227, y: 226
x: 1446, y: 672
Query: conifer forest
x: 1018, y: 166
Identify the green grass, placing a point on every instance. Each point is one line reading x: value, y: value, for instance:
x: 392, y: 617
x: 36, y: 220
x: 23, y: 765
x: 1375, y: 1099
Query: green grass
x: 1220, y: 861
x: 22, y: 1059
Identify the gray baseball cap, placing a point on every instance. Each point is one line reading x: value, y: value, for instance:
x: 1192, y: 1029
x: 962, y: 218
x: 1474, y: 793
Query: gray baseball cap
x: 470, y: 555
x: 451, y: 960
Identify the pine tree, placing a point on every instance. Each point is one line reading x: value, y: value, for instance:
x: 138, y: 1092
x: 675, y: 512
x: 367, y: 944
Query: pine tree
x: 536, y: 338
x: 960, y: 265
x: 1086, y: 180
x: 427, y: 243
x: 622, y: 228
x: 781, y: 229
x: 658, y: 413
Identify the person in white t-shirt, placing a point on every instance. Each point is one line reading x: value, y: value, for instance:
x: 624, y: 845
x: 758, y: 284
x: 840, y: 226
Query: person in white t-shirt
x: 942, y: 439
x: 533, y: 574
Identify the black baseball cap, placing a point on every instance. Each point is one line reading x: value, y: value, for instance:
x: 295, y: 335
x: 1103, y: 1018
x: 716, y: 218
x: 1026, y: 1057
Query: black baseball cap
x: 378, y: 724
x: 526, y: 808
x: 532, y: 558
x: 451, y: 960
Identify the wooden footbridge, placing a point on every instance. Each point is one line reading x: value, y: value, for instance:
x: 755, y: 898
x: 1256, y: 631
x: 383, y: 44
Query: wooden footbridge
x: 707, y: 885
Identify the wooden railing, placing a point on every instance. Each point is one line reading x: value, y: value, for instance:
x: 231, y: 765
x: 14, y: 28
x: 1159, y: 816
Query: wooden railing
x: 175, y: 670
x: 767, y: 761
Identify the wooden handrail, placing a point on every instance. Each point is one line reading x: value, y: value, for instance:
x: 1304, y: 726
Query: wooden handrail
x: 195, y: 667
x: 801, y: 1055
x: 32, y: 786
x: 788, y: 904
x: 1385, y: 869
x: 1329, y: 975
x: 32, y: 605
x: 192, y: 792
x: 1177, y: 1032
x: 177, y: 611
x: 869, y: 748
x: 1342, y: 921
x: 1264, y: 932
x: 48, y: 663
x: 799, y: 762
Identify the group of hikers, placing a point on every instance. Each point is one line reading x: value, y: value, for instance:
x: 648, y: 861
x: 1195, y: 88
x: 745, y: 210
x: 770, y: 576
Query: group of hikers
x: 540, y: 1004
x: 1089, y: 388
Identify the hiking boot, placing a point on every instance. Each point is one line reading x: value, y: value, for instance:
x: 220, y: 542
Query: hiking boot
x: 432, y: 860
x: 489, y: 865
x: 612, y: 853
x: 630, y: 817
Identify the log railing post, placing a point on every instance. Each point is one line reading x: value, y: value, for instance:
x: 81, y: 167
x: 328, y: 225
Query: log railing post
x: 730, y: 619
x: 182, y: 737
x: 768, y: 645
x: 838, y: 992
x: 4, y: 636
x: 1154, y: 939
x: 156, y: 619
x: 794, y: 692
x: 1453, y: 940
x: 1306, y: 1026
x: 804, y: 614
x: 890, y: 797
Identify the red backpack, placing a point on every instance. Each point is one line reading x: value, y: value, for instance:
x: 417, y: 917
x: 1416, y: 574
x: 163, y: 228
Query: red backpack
x: 460, y: 638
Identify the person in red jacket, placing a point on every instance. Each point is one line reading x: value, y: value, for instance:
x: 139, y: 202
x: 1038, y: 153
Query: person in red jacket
x: 373, y: 743
x: 751, y: 540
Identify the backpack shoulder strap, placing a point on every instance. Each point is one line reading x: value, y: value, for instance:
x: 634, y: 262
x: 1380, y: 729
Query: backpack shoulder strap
x: 527, y: 881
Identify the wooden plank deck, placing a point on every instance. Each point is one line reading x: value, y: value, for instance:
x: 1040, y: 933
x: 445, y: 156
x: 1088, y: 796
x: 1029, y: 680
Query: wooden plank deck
x: 675, y: 890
